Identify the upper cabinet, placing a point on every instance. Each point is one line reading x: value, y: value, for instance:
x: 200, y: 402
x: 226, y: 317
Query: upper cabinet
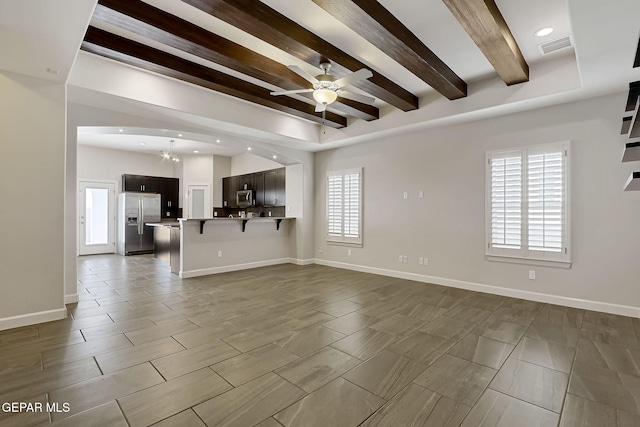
x: 168, y: 188
x: 230, y: 187
x: 246, y: 182
x: 268, y: 186
x: 170, y: 193
x: 274, y: 187
x: 141, y: 183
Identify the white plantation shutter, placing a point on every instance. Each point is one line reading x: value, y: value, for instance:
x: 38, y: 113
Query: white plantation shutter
x: 527, y: 209
x: 334, y: 205
x: 344, y: 206
x: 546, y: 200
x: 506, y: 201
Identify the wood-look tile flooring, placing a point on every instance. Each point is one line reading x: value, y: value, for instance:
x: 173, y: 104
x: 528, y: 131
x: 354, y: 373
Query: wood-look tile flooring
x: 314, y: 346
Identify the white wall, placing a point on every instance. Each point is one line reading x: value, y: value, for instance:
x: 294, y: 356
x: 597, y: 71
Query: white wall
x: 221, y: 169
x: 32, y: 184
x: 447, y: 226
x: 250, y: 163
x: 294, y: 191
x: 196, y: 169
x: 109, y: 165
x: 259, y: 245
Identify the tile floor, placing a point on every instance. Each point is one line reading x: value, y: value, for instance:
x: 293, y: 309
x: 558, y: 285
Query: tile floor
x: 314, y: 346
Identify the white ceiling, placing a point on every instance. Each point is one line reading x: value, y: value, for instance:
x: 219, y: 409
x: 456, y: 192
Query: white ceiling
x: 36, y: 35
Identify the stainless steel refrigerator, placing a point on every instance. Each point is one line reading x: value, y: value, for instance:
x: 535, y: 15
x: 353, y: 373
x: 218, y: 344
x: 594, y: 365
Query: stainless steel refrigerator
x: 134, y: 211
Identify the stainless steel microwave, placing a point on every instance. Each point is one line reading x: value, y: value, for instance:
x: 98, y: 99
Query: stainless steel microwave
x: 244, y: 198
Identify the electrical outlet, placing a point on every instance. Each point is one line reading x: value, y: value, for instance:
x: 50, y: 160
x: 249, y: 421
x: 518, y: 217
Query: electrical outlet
x: 349, y: 252
x: 219, y: 254
x: 405, y: 259
x: 405, y: 195
x: 421, y: 261
x: 425, y: 261
x: 532, y: 275
x: 215, y: 214
x: 320, y: 249
x: 420, y: 194
x: 400, y: 259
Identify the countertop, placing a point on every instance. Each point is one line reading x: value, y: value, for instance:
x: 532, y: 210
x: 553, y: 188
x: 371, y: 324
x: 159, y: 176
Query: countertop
x: 235, y: 218
x: 171, y: 223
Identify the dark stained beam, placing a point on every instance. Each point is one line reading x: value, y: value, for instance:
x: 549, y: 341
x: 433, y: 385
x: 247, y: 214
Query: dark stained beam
x: 265, y: 23
x: 626, y: 125
x: 636, y: 62
x: 112, y: 46
x: 158, y: 25
x: 632, y: 98
x: 376, y: 24
x: 484, y: 23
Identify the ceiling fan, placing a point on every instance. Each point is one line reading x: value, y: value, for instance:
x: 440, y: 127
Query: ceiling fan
x: 326, y: 88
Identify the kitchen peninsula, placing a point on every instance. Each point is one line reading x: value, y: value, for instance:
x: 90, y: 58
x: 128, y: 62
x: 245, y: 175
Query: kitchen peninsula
x: 237, y: 236
x: 229, y: 244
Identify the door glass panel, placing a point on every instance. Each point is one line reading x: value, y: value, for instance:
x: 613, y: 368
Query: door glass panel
x: 197, y: 203
x: 97, y: 216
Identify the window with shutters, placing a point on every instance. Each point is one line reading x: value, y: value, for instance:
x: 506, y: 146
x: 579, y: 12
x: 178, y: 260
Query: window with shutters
x: 527, y: 203
x: 344, y: 206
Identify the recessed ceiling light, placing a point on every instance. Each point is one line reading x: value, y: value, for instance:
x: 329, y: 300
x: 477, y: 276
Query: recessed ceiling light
x: 275, y: 157
x: 248, y: 148
x: 120, y: 130
x: 543, y: 32
x: 180, y: 135
x: 218, y: 141
x: 196, y: 151
x: 142, y: 143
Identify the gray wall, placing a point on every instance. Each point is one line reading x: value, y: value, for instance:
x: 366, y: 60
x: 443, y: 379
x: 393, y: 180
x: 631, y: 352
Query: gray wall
x: 32, y: 184
x: 448, y: 224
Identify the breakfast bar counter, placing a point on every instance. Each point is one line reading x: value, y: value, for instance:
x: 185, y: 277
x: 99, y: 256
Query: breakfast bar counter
x: 222, y: 244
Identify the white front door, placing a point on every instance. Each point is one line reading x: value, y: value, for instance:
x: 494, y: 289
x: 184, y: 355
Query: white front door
x: 199, y: 201
x: 96, y: 217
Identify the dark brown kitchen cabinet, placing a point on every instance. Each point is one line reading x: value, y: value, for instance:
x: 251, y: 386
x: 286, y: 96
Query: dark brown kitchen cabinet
x: 169, y: 190
x: 268, y: 188
x: 246, y: 182
x: 141, y: 183
x: 274, y: 187
x: 259, y: 188
x: 229, y: 191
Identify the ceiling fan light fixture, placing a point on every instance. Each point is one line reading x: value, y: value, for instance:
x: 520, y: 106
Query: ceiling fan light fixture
x: 325, y: 96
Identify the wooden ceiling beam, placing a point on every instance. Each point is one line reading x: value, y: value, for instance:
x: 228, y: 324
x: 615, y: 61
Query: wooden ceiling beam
x: 484, y: 23
x: 153, y: 23
x: 118, y: 48
x: 376, y: 24
x: 265, y: 23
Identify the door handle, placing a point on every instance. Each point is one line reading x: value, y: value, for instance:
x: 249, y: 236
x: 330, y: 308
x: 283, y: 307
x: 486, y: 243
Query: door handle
x: 140, y: 218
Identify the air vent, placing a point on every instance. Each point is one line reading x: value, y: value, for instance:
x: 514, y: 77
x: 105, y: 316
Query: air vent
x: 555, y: 45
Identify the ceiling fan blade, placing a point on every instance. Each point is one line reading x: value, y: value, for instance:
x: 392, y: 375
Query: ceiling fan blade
x: 361, y: 74
x: 302, y: 73
x: 356, y: 97
x: 289, y: 92
x: 320, y: 107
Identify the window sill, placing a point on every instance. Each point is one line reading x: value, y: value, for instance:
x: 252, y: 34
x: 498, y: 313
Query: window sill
x: 350, y: 244
x: 529, y: 261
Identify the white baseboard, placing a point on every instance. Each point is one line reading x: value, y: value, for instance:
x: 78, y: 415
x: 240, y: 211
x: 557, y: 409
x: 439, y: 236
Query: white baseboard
x: 297, y: 261
x: 70, y: 299
x: 234, y: 267
x: 623, y: 310
x: 32, y: 318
